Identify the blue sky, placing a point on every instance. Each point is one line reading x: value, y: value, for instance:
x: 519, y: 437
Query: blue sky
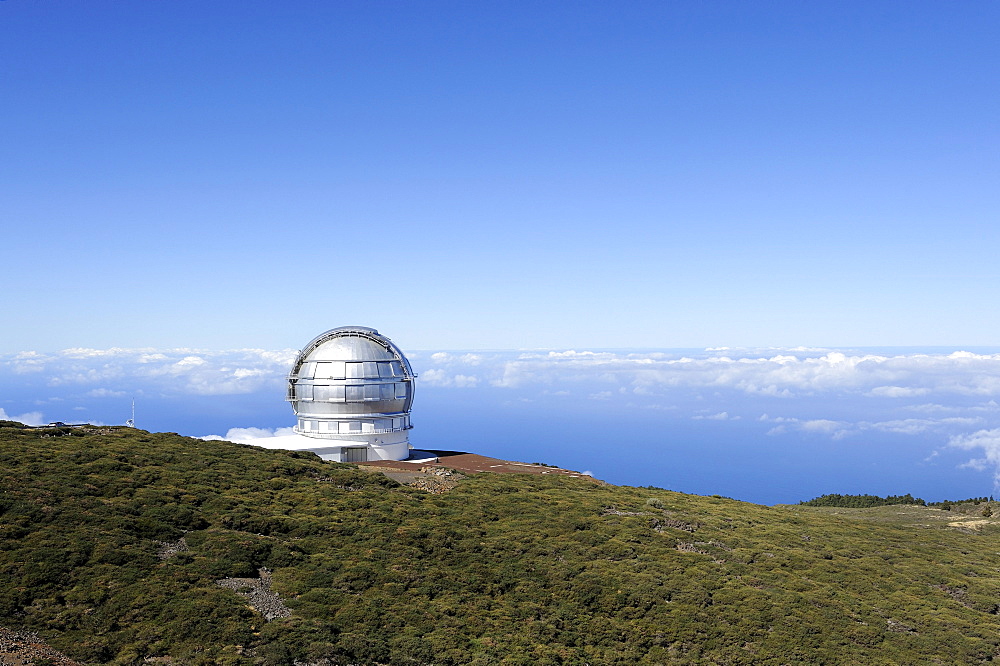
x: 499, y: 175
x: 189, y: 191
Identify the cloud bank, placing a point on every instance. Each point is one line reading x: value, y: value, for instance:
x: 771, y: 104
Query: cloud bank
x: 112, y: 372
x: 792, y: 372
x: 29, y: 418
x: 782, y: 373
x: 249, y: 435
x: 947, y: 399
x: 988, y: 443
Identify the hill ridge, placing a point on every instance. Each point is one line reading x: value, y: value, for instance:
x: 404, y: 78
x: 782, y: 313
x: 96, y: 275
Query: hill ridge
x: 501, y: 569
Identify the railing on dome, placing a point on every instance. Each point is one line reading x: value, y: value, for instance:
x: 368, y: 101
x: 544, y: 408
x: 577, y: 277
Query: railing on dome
x: 291, y: 396
x: 354, y: 433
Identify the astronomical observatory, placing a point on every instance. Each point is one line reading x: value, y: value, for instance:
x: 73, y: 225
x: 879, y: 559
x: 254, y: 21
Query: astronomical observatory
x: 351, y: 389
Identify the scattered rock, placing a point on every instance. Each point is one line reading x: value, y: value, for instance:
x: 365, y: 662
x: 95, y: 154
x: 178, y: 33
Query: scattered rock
x: 659, y: 525
x: 696, y: 546
x: 612, y: 511
x: 258, y: 593
x: 434, y: 480
x: 22, y: 648
x: 441, y: 471
x: 959, y: 594
x: 898, y: 627
x: 170, y: 548
x: 433, y: 484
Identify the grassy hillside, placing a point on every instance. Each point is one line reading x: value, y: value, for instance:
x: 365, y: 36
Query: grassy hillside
x: 112, y: 542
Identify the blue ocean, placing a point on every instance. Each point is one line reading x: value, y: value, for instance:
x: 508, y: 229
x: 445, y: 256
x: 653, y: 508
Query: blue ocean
x: 765, y: 426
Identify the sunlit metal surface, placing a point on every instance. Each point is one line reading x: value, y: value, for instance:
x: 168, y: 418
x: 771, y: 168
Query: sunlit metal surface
x: 354, y: 386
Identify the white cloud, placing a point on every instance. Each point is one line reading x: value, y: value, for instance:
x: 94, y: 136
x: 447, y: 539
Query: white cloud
x: 897, y: 392
x: 766, y: 373
x: 935, y: 394
x: 29, y: 418
x: 822, y: 425
x: 27, y: 362
x: 834, y: 429
x: 104, y: 393
x: 979, y: 465
x: 170, y: 371
x: 721, y: 416
x: 930, y: 408
x: 441, y: 378
x: 914, y: 426
x: 988, y: 441
x: 784, y: 374
x: 150, y: 358
x: 83, y: 352
x: 451, y: 369
x: 281, y: 357
x: 244, y: 435
x: 839, y: 429
x: 434, y: 377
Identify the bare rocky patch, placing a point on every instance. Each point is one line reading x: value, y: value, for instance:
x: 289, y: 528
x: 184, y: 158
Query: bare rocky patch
x: 168, y: 549
x: 969, y: 524
x: 258, y: 592
x: 673, y: 523
x: 612, y: 511
x: 435, y: 480
x: 22, y: 648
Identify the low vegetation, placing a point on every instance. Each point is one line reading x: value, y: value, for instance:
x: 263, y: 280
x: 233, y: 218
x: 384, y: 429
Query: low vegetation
x: 863, y: 501
x: 113, y: 543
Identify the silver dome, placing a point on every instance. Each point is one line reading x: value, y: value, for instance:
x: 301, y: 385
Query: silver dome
x: 351, y: 383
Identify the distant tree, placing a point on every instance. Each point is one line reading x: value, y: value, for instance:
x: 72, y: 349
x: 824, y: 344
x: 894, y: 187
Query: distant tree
x: 976, y: 501
x: 862, y: 501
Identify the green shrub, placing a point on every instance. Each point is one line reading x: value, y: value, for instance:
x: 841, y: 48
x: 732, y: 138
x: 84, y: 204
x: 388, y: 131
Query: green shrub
x: 504, y: 569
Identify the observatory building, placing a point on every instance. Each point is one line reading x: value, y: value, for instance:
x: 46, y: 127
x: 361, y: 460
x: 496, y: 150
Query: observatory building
x: 351, y: 389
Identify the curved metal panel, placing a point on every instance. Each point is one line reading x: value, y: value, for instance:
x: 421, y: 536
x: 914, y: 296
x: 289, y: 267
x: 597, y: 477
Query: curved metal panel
x: 351, y: 380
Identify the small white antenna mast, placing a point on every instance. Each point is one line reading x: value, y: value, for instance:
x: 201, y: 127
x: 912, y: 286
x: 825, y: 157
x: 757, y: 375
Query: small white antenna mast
x: 131, y: 422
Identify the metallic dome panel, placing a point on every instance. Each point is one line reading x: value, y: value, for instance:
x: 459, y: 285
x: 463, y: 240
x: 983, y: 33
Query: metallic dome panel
x: 351, y: 382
